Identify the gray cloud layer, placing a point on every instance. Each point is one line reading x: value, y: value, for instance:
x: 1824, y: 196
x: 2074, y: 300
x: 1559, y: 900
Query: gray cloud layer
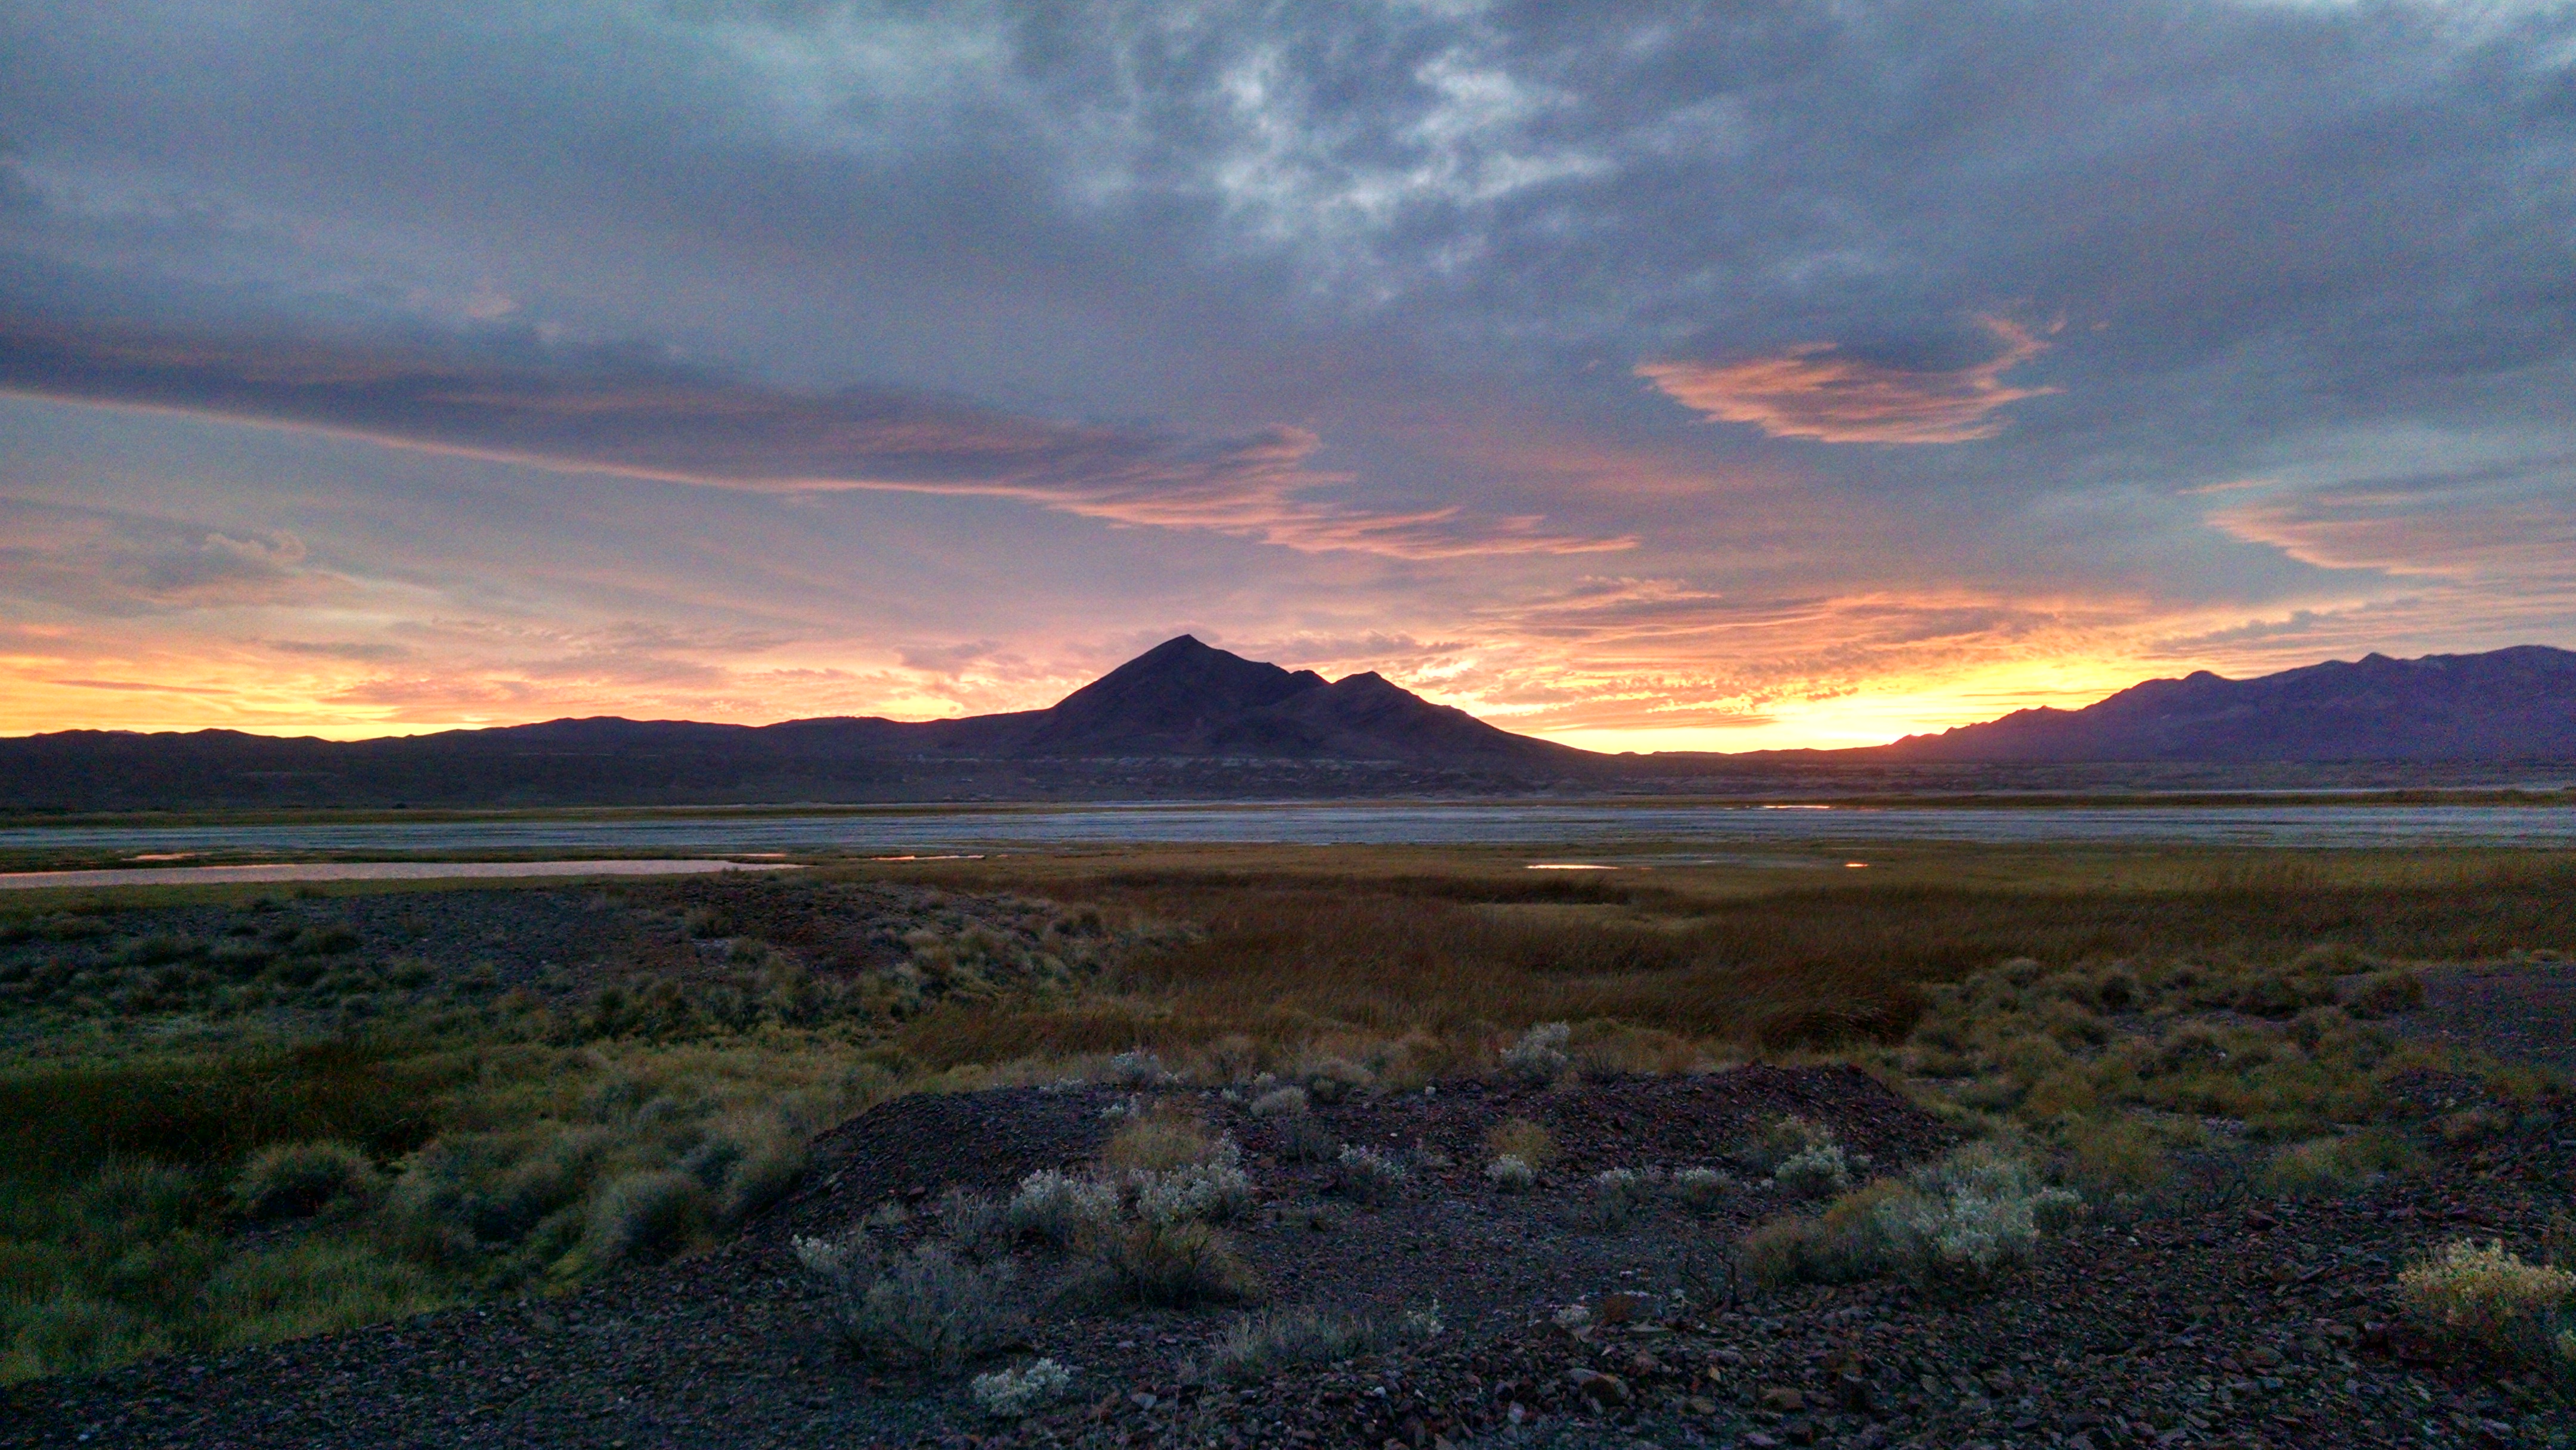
x: 2110, y: 305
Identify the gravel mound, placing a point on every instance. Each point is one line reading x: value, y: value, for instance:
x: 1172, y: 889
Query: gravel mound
x: 2241, y: 1324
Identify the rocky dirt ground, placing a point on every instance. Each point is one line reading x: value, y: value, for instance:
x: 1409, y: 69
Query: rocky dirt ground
x: 2230, y: 1323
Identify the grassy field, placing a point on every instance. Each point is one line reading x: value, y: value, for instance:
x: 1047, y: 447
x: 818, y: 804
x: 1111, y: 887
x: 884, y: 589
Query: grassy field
x: 226, y: 1117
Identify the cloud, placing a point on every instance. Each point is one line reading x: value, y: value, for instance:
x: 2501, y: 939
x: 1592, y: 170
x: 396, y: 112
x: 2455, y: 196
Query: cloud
x: 371, y: 651
x: 2507, y: 519
x: 1816, y: 390
x: 103, y: 562
x: 616, y: 413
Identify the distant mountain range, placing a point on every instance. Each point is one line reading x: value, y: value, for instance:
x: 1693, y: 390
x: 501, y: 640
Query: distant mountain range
x: 2510, y: 704
x: 1187, y: 720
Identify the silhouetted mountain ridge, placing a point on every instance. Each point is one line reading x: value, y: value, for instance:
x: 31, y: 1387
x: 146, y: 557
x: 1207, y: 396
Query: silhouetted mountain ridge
x: 2508, y: 704
x: 1190, y: 721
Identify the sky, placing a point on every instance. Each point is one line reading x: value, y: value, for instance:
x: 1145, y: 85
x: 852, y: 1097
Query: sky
x: 1723, y: 375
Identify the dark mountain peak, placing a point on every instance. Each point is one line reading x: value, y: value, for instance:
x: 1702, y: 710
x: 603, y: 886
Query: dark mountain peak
x: 1162, y: 698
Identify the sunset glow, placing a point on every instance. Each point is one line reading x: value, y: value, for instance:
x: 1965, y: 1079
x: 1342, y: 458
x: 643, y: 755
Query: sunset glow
x: 1678, y: 380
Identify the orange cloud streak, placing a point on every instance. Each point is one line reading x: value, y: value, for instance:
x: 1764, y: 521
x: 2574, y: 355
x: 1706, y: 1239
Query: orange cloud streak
x: 1814, y: 391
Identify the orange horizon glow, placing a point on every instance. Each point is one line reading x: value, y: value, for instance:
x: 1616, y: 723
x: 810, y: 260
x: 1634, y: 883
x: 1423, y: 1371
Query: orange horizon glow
x: 249, y: 695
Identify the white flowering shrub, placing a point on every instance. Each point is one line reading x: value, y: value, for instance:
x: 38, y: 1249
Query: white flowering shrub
x: 825, y: 1259
x: 1139, y: 1068
x: 1059, y: 1207
x: 1286, y: 1102
x: 1702, y: 1187
x: 1971, y: 1216
x: 1539, y: 1056
x: 1216, y: 1187
x: 1368, y: 1176
x: 1623, y: 1184
x: 1010, y: 1394
x: 1510, y: 1174
x: 1816, y: 1171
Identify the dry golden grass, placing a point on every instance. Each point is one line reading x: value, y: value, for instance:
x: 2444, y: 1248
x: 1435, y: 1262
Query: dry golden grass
x: 1170, y: 1135
x: 1297, y: 949
x: 1520, y: 1138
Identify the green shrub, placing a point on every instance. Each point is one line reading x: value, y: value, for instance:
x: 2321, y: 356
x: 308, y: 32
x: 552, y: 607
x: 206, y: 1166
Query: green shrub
x: 928, y: 1308
x: 1173, y: 1265
x: 1816, y: 1171
x: 2479, y: 1296
x: 1539, y: 1057
x: 969, y: 1221
x: 1306, y: 1140
x: 1962, y: 1222
x: 1702, y: 1188
x: 1286, y: 1102
x: 297, y: 1180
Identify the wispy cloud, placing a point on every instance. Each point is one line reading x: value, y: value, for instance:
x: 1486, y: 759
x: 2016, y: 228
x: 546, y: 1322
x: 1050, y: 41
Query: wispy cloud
x: 104, y: 562
x: 612, y: 413
x: 1816, y: 390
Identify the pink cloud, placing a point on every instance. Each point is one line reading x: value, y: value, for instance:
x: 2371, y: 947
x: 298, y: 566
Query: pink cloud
x: 610, y: 415
x: 1816, y: 391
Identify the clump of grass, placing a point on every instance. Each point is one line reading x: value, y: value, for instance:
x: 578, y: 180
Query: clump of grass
x: 1012, y: 1394
x: 1539, y: 1057
x: 926, y: 1307
x: 647, y: 1217
x: 2327, y: 1166
x: 2481, y: 1297
x: 1173, y: 1265
x: 2118, y: 1158
x: 1367, y: 1175
x: 1258, y: 1346
x: 1168, y: 1135
x: 1520, y: 1138
x: 297, y: 1180
x: 1331, y: 1079
x: 2384, y: 994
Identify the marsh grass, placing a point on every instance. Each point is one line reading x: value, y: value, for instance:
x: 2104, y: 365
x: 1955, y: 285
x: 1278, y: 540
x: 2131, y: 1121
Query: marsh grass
x: 1473, y: 961
x: 526, y: 1139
